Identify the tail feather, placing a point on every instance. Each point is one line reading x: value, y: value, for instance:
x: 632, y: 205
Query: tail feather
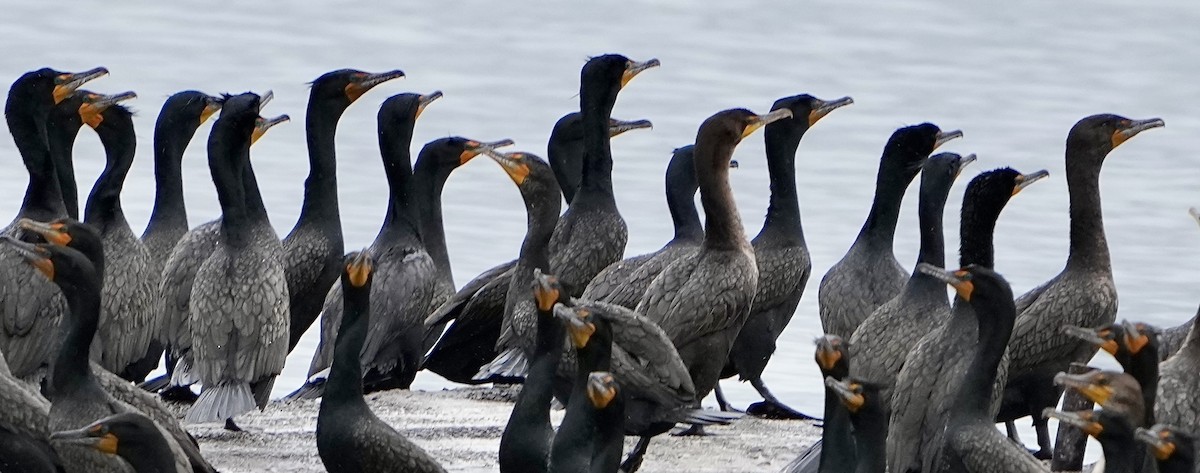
x: 313, y: 389
x: 221, y: 402
x: 156, y: 384
x: 183, y: 375
x: 703, y: 416
x: 511, y: 363
x: 808, y: 461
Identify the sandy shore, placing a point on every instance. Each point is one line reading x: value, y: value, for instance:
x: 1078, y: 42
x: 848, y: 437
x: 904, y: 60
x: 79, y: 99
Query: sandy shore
x: 461, y: 428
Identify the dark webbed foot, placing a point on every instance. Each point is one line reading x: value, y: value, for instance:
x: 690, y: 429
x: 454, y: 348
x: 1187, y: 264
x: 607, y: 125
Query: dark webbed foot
x: 694, y: 430
x: 723, y: 403
x: 634, y: 460
x: 776, y: 410
x: 232, y: 427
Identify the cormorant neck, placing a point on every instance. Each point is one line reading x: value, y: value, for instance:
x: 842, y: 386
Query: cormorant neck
x: 681, y: 185
x: 783, y: 213
x: 344, y: 385
x: 995, y: 328
x: 976, y: 235
x: 880, y: 228
x: 226, y: 148
x: 596, y: 178
x: 566, y: 160
x: 838, y: 450
x: 256, y: 210
x: 542, y: 215
x: 43, y: 197
x: 428, y: 181
x: 1122, y: 453
x: 1089, y: 247
x: 320, y: 188
x: 723, y: 225
x: 394, y: 143
x: 170, y: 142
x: 1145, y: 369
x: 152, y: 454
x: 71, y: 369
x: 931, y: 209
x: 870, y: 431
x: 104, y: 202
x: 61, y: 131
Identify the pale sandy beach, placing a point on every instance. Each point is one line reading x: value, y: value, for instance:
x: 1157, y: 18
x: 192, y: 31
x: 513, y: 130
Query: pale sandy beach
x: 461, y: 428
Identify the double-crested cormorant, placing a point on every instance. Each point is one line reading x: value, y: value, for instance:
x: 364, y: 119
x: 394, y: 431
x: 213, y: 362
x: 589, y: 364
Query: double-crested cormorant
x: 130, y: 435
x: 1177, y: 402
x: 779, y: 249
x: 127, y: 320
x: 1171, y: 339
x: 702, y: 302
x: 943, y: 354
x: 574, y: 447
x: 408, y: 280
x: 181, y: 115
x: 314, y: 247
x: 867, y: 405
x: 75, y: 393
x: 1174, y: 448
x: 1083, y: 294
x: 178, y: 277
x: 62, y: 129
x: 86, y: 239
x: 350, y: 438
x: 24, y: 427
x: 834, y: 452
x: 591, y: 234
x: 971, y: 443
x: 565, y: 150
x: 33, y: 305
x: 525, y: 443
x: 1135, y: 347
x: 1115, y: 391
x: 869, y: 274
x: 239, y: 309
x: 1122, y: 454
x: 478, y: 308
x: 883, y: 339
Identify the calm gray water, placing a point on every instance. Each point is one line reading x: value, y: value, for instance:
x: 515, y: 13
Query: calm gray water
x: 1014, y: 77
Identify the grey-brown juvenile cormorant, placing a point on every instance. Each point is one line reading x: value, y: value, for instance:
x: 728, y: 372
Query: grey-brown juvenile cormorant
x: 780, y: 251
x: 1174, y: 448
x: 478, y: 307
x: 127, y: 321
x: 177, y: 122
x: 75, y: 393
x: 178, y: 277
x: 971, y: 443
x: 1114, y: 432
x: 869, y: 275
x: 350, y: 438
x: 883, y: 339
x: 408, y: 279
x: 130, y: 435
x: 868, y: 411
x: 915, y: 431
x: 591, y: 234
x: 702, y: 302
x: 1083, y: 294
x: 525, y: 443
x: 86, y: 239
x: 314, y: 247
x: 34, y: 305
x: 239, y: 309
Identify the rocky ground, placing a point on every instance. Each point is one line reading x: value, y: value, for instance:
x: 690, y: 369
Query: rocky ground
x: 461, y: 428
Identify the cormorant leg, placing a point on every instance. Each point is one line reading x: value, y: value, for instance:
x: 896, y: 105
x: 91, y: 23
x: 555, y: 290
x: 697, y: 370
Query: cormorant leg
x: 725, y: 406
x: 232, y: 427
x: 634, y: 460
x: 1011, y: 427
x: 1045, y: 451
x: 695, y: 429
x: 781, y: 410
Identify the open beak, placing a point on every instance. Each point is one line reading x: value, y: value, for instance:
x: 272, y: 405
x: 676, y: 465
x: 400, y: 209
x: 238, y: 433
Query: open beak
x: 1133, y: 127
x: 356, y: 88
x: 427, y: 99
x: 633, y: 68
x: 359, y: 269
x: 475, y: 148
x: 959, y: 280
x: 760, y: 121
x: 67, y: 84
x: 601, y: 388
x: 578, y: 327
x: 944, y: 136
x: 1025, y: 180
x: 87, y: 436
x: 1083, y: 383
x: 823, y: 108
x: 212, y: 106
x: 33, y: 255
x: 1082, y: 420
x: 49, y: 231
x: 264, y: 99
x: 261, y: 125
x: 95, y: 105
x: 616, y: 127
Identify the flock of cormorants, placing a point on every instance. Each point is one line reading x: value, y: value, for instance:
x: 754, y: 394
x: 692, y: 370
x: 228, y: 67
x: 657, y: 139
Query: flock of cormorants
x: 628, y: 346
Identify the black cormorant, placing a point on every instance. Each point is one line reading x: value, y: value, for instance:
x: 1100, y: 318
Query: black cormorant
x: 129, y: 435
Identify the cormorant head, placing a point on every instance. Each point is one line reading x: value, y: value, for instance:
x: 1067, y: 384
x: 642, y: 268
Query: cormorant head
x: 975, y: 284
x: 66, y: 267
x: 602, y: 388
x: 261, y: 125
x: 547, y: 291
x: 188, y: 106
x: 986, y: 196
x: 806, y: 111
x: 359, y: 270
x: 1169, y: 443
x: 1104, y: 336
x: 1088, y: 421
x: 241, y: 111
x: 583, y: 326
x: 729, y: 127
x: 70, y: 233
x: 451, y: 152
x: 941, y: 169
x: 1097, y: 135
x: 118, y: 434
x: 525, y: 169
x: 908, y: 147
x: 98, y: 107
x: 612, y: 72
x: 1112, y: 390
x: 342, y: 87
x: 833, y: 356
x: 402, y: 110
x: 35, y: 92
x: 856, y: 394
